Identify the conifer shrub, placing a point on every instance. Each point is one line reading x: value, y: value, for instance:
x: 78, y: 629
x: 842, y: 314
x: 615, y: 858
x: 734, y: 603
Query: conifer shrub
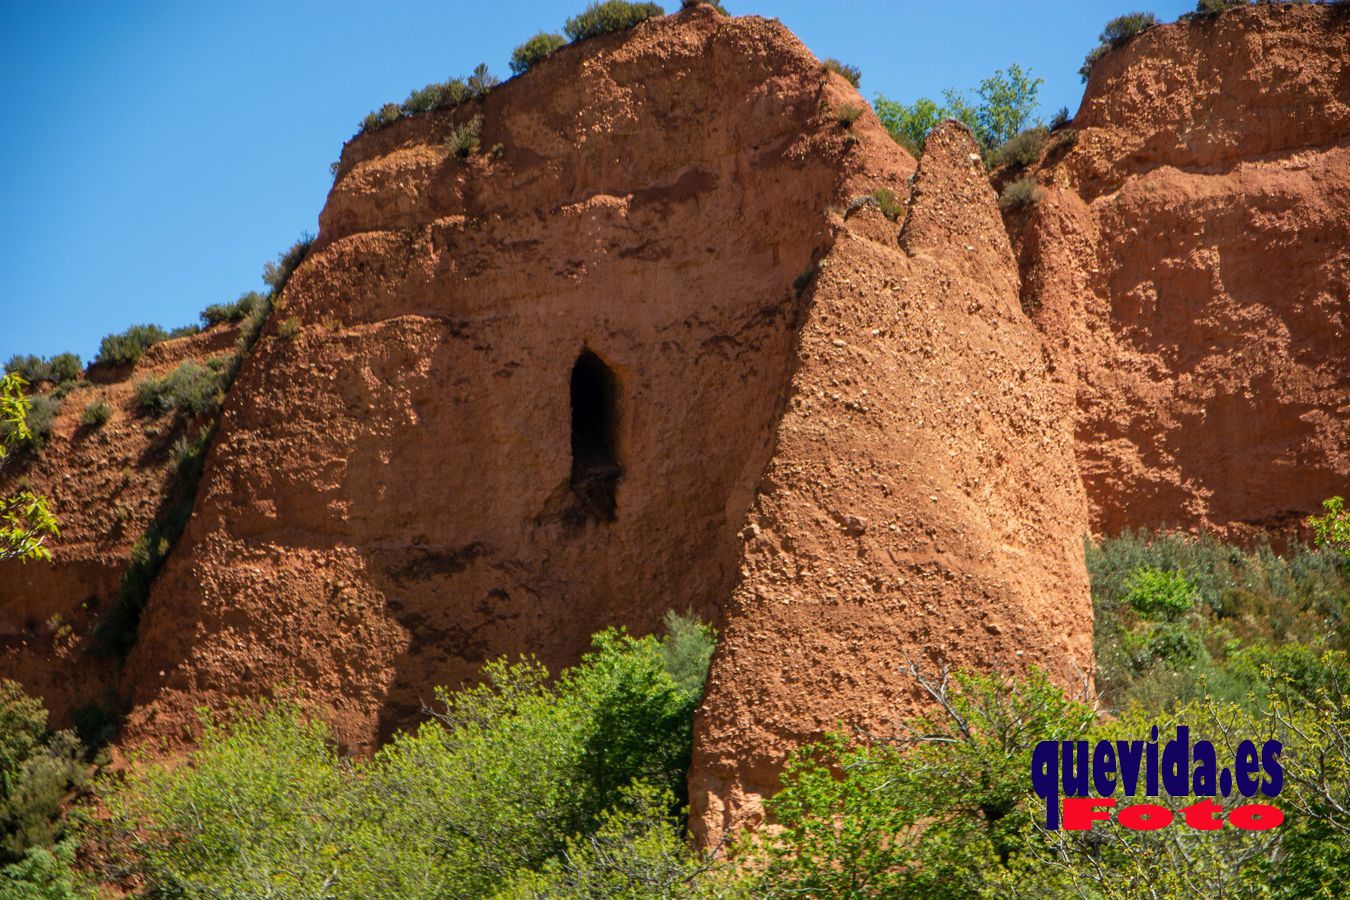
x: 223, y: 313
x: 535, y: 49
x: 609, y: 15
x: 465, y: 137
x: 438, y: 95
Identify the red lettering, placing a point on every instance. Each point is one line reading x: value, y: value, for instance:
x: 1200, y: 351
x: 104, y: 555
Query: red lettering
x: 1145, y: 817
x: 1256, y: 816
x: 1080, y: 812
x: 1205, y: 815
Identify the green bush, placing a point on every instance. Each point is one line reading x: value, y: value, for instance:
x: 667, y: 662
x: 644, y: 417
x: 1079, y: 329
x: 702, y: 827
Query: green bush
x: 58, y: 370
x: 1020, y: 193
x: 36, y: 770
x: 481, y: 81
x: 126, y: 348
x: 1331, y: 530
x: 845, y: 114
x: 439, y: 95
x: 1117, y: 33
x: 1007, y: 101
x: 464, y: 138
x: 517, y: 778
x: 715, y: 4
x: 1061, y: 118
x: 39, y: 422
x: 609, y: 15
x: 535, y: 49
x: 222, y: 313
x: 1023, y: 149
x: 385, y: 115
x: 891, y: 206
x: 96, y: 414
x: 852, y: 74
x: 277, y: 274
x: 191, y: 388
x: 1159, y: 595
x: 1214, y: 7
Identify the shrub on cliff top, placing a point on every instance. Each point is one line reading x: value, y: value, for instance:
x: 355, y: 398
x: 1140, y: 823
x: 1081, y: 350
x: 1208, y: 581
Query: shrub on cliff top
x: 1214, y: 7
x: 125, y: 348
x: 59, y: 369
x: 439, y: 95
x: 221, y: 313
x: 277, y: 274
x: 610, y: 15
x: 1117, y: 33
x: 852, y: 74
x: 535, y: 49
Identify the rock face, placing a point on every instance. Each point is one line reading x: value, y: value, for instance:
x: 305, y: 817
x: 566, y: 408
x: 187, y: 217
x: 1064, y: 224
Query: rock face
x: 651, y: 348
x: 921, y: 503
x: 106, y: 485
x: 1190, y: 270
x: 532, y: 391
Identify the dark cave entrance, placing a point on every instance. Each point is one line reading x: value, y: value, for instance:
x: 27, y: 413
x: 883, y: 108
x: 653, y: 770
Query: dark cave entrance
x: 595, y: 436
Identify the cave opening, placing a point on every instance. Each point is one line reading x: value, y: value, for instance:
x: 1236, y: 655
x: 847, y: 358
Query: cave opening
x: 595, y: 436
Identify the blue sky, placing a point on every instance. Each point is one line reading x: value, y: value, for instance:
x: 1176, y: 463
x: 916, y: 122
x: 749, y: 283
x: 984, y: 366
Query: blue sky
x: 156, y: 153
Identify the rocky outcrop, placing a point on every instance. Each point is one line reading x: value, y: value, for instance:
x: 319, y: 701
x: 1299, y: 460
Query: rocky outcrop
x: 106, y: 486
x: 921, y: 503
x: 1189, y: 269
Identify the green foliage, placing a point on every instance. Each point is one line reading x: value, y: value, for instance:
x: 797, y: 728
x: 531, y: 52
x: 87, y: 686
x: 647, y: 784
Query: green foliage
x: 96, y: 414
x: 845, y: 114
x: 518, y: 784
x: 1023, y: 149
x: 481, y: 81
x: 36, y: 770
x: 1157, y: 595
x: 715, y: 4
x: 535, y: 49
x: 1020, y: 193
x: 1164, y: 638
x: 1061, y: 118
x: 58, y: 370
x: 1331, y: 530
x: 1117, y: 33
x: 126, y: 348
x: 277, y: 274
x: 609, y: 15
x: 941, y: 811
x: 387, y: 114
x: 1214, y: 7
x: 43, y: 874
x: 25, y: 520
x: 851, y: 74
x: 437, y: 95
x: 1007, y: 104
x: 465, y: 137
x: 222, y: 313
x: 891, y: 206
x: 191, y: 388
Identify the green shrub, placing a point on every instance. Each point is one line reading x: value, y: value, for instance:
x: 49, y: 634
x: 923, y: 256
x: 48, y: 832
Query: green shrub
x: 221, y: 313
x: 126, y: 348
x: 288, y: 328
x: 58, y: 370
x: 1214, y: 7
x: 1022, y: 150
x: 891, y: 205
x: 481, y: 81
x: 439, y: 95
x: 1061, y: 118
x: 1007, y: 101
x: 277, y: 274
x: 39, y: 423
x: 1159, y: 595
x: 535, y: 49
x: 36, y: 770
x: 191, y: 388
x: 845, y: 114
x: 465, y: 137
x: 385, y: 115
x: 609, y: 15
x: 96, y: 414
x: 715, y: 4
x: 1331, y: 530
x: 519, y: 775
x: 1117, y: 33
x: 852, y: 74
x: 1020, y: 193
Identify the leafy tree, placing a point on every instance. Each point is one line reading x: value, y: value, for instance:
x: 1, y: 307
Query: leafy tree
x: 25, y: 520
x: 1007, y: 104
x: 1331, y: 530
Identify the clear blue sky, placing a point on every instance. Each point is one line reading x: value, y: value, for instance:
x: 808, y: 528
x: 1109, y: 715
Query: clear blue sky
x: 156, y: 153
